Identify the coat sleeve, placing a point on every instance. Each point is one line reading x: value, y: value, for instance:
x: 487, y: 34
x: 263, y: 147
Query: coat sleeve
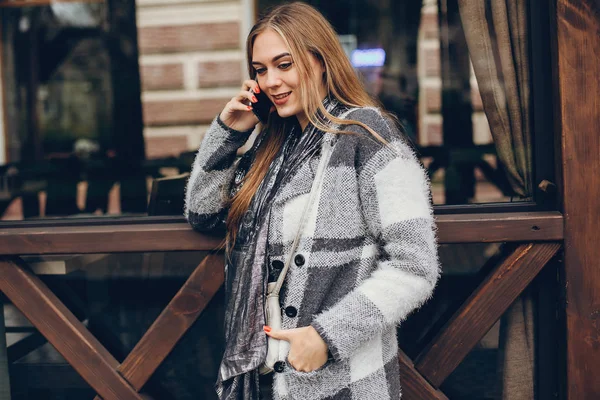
x: 395, y: 200
x: 207, y: 191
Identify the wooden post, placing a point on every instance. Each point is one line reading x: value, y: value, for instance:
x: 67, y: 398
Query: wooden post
x: 578, y: 33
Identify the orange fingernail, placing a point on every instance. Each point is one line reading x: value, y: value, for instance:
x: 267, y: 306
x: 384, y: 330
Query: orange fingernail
x: 267, y: 328
x: 257, y: 90
x: 254, y: 99
x: 249, y: 108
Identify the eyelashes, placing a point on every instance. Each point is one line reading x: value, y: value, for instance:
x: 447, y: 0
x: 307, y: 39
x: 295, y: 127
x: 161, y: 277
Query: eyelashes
x: 283, y: 66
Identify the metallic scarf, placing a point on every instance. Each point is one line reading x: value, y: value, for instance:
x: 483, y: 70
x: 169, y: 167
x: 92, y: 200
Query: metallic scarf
x: 246, y: 269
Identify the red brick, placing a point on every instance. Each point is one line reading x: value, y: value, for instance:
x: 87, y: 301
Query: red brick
x: 181, y: 112
x: 431, y: 58
x: 219, y: 73
x: 430, y: 26
x: 161, y: 77
x: 433, y: 100
x: 158, y: 147
x: 183, y: 38
x: 434, y: 134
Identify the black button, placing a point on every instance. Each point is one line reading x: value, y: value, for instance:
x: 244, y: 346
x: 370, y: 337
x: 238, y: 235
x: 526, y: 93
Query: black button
x: 277, y: 264
x: 299, y: 260
x: 291, y: 311
x: 278, y: 367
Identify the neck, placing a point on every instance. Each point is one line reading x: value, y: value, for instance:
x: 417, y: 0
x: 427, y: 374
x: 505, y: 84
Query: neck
x: 303, y: 121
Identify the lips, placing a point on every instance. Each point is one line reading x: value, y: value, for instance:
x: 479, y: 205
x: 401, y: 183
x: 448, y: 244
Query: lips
x: 281, y: 96
x: 281, y: 99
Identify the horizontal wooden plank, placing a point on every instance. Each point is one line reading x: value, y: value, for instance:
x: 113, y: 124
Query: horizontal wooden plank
x: 66, y: 333
x: 105, y: 239
x: 462, y: 228
x: 500, y: 227
x: 414, y: 386
x: 31, y: 3
x: 483, y: 308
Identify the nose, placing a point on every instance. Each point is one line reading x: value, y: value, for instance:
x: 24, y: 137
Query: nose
x: 272, y: 80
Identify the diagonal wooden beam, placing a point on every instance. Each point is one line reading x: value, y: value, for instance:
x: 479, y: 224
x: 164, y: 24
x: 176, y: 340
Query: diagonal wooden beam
x: 64, y: 331
x: 414, y: 386
x: 174, y: 321
x: 483, y: 308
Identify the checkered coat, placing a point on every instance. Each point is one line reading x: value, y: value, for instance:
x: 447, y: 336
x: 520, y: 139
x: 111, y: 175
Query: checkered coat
x: 369, y: 248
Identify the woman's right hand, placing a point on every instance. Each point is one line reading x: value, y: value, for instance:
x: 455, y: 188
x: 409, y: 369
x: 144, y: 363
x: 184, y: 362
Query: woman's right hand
x: 237, y: 114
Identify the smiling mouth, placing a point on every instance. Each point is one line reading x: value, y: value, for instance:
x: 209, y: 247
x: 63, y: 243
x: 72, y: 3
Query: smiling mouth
x: 281, y: 96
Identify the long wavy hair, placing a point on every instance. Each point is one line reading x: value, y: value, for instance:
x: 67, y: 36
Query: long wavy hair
x: 305, y: 32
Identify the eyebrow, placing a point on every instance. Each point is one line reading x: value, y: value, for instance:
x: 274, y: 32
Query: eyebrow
x: 277, y: 57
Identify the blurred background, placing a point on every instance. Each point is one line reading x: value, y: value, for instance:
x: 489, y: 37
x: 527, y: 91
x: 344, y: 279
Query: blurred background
x: 102, y: 98
x: 104, y: 104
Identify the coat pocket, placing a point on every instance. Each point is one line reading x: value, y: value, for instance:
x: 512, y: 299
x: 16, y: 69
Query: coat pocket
x: 332, y: 378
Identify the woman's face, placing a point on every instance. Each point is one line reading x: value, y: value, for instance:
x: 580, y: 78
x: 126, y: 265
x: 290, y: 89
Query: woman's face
x: 278, y: 76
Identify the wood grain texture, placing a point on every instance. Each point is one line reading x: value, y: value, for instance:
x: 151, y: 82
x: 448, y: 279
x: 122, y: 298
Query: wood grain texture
x: 460, y: 228
x: 578, y: 33
x: 66, y: 333
x: 174, y: 321
x: 496, y: 227
x: 104, y: 239
x: 414, y: 386
x: 31, y: 3
x: 482, y: 309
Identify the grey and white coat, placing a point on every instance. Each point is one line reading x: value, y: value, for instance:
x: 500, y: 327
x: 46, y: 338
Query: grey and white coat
x: 369, y: 248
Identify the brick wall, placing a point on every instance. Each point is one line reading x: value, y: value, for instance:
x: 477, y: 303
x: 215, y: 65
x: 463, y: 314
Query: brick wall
x: 191, y: 64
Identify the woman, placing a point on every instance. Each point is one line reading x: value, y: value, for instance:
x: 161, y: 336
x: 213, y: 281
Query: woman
x: 366, y: 256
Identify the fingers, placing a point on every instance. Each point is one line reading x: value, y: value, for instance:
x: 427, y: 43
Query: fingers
x: 236, y: 105
x: 282, y: 334
x: 242, y: 102
x: 308, y: 351
x: 305, y: 364
x: 250, y: 85
x: 246, y: 97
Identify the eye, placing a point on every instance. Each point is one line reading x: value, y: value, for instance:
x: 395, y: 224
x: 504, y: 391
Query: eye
x: 260, y: 71
x: 285, y: 65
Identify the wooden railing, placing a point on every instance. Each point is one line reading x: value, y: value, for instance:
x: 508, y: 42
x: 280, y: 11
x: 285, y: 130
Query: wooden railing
x: 539, y: 235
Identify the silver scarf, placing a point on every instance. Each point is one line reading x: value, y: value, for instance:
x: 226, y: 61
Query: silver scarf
x: 246, y: 269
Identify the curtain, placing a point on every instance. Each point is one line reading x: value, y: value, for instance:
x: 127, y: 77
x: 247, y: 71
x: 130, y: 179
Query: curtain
x: 497, y: 38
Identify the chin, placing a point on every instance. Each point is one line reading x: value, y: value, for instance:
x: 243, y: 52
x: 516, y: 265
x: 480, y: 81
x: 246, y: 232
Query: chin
x: 286, y: 112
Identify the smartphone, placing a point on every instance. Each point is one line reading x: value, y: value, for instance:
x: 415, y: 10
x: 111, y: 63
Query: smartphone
x: 262, y: 108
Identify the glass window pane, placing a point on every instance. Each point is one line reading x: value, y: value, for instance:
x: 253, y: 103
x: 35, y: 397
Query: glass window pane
x: 105, y: 98
x: 414, y: 57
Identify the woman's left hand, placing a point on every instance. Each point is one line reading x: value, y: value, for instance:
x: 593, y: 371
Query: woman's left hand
x: 308, y: 351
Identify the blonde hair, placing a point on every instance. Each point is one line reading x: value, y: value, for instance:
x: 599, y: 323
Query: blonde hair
x: 305, y: 32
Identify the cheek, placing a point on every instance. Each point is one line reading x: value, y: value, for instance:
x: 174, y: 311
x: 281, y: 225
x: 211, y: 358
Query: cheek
x: 261, y: 81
